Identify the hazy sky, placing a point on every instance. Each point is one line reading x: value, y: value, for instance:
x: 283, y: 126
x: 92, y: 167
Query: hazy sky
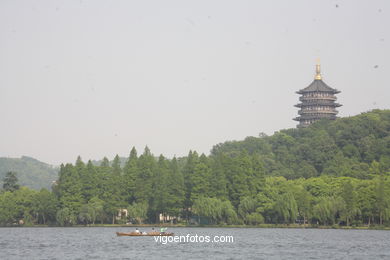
x: 94, y: 78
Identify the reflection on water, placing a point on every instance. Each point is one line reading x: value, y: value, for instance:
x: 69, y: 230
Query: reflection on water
x: 249, y: 243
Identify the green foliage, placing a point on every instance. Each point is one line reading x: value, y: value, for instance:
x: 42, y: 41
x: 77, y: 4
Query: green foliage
x: 349, y: 196
x: 98, y: 207
x: 328, y: 209
x: 129, y: 176
x: 286, y: 208
x: 229, y: 215
x: 65, y: 217
x: 87, y: 214
x: 382, y: 199
x: 8, y: 214
x: 247, y: 206
x: 69, y: 186
x: 254, y: 218
x: 45, y: 206
x: 168, y: 190
x: 138, y: 211
x: 10, y: 182
x: 17, y: 205
x: 208, y: 207
x: 144, y: 180
x: 176, y: 192
x: 304, y: 203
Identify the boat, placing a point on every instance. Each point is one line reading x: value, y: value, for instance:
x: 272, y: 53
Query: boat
x: 150, y: 234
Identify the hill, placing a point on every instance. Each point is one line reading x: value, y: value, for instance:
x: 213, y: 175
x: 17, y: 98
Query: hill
x: 30, y: 172
x: 343, y: 147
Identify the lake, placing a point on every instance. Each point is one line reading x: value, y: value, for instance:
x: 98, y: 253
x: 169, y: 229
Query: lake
x: 248, y: 243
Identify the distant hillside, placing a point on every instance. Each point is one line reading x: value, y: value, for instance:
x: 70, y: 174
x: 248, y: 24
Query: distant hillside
x: 30, y: 172
x: 356, y: 146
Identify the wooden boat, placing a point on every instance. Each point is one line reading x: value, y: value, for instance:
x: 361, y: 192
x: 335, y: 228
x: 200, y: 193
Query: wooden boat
x: 134, y: 234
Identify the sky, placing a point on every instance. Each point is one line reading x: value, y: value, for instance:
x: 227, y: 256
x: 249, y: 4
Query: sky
x: 95, y: 78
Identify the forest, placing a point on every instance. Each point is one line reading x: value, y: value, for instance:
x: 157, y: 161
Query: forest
x: 333, y: 173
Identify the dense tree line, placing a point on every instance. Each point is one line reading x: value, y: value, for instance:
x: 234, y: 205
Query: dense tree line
x: 330, y: 173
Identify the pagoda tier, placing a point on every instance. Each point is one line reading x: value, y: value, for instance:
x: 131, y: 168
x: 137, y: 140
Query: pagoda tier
x: 318, y: 102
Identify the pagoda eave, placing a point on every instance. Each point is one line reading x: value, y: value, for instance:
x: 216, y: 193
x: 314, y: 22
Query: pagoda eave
x: 333, y: 91
x: 329, y: 104
x: 316, y: 117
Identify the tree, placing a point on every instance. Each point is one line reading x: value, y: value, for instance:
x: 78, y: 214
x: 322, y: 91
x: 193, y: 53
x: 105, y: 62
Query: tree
x: 286, y: 208
x: 160, y: 197
x: 175, y: 186
x: 69, y: 188
x: 116, y: 166
x: 24, y: 199
x: 239, y: 170
x: 200, y: 179
x: 246, y: 207
x: 87, y: 214
x: 8, y: 206
x: 218, y: 181
x: 138, y: 211
x: 45, y: 206
x: 111, y: 188
x: 98, y: 206
x: 130, y: 171
x: 254, y: 218
x: 168, y: 187
x: 381, y: 199
x: 144, y: 179
x: 65, y: 217
x: 90, y: 181
x: 188, y: 171
x: 304, y: 200
x: 328, y: 209
x: 317, y: 149
x: 366, y: 200
x: 228, y: 215
x: 10, y: 182
x: 349, y: 197
x: 208, y: 207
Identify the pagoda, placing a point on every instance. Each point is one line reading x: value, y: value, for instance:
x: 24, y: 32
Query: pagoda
x: 318, y: 101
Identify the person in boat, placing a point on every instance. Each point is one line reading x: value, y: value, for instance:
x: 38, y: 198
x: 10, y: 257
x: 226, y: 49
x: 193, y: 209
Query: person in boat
x: 162, y: 230
x: 137, y: 231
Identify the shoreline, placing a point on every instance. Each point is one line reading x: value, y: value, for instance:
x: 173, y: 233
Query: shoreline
x: 291, y: 226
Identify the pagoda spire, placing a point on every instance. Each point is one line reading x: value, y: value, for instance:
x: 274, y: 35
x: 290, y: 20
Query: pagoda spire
x: 318, y: 70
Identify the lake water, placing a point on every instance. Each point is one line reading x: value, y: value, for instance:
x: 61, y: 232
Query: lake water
x: 248, y: 243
